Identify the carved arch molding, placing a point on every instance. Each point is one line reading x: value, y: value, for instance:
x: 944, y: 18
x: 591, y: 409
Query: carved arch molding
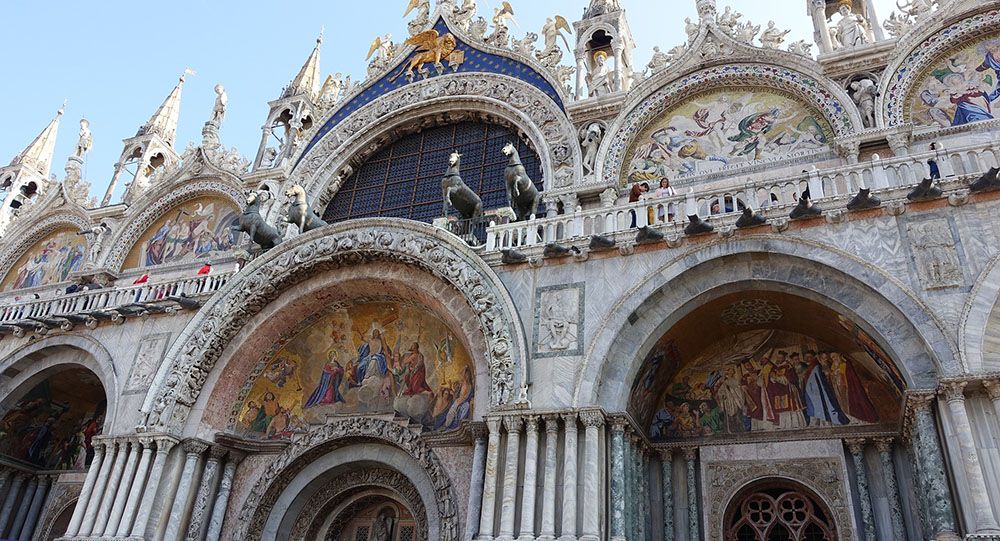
x: 543, y: 122
x: 194, y: 354
x: 320, y: 440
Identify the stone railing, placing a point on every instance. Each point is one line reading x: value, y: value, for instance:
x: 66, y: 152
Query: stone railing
x: 113, y: 303
x: 880, y: 175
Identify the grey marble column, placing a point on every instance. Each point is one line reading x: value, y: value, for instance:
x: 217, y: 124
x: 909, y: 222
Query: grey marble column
x: 857, y: 448
x: 474, y: 510
x: 993, y: 391
x: 630, y: 512
x: 138, y: 485
x: 163, y: 447
x: 180, y: 510
x: 233, y: 460
x: 694, y: 530
x: 527, y: 532
x: 884, y: 446
x: 205, y: 495
x: 508, y: 497
x: 986, y: 523
x: 548, y: 526
x: 22, y: 508
x: 490, y: 482
x: 86, y: 492
x: 124, y: 489
x: 667, y: 486
x: 35, y: 509
x: 592, y: 422
x: 6, y: 474
x: 100, y: 487
x: 936, y: 496
x: 618, y: 479
x: 569, y: 478
x: 8, y: 511
x: 111, y: 490
x: 643, y: 503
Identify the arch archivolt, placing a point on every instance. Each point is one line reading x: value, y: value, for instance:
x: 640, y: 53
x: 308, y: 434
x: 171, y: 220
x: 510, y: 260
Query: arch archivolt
x: 529, y: 109
x: 976, y: 316
x: 906, y: 69
x: 880, y: 304
x: 338, y: 444
x: 193, y: 356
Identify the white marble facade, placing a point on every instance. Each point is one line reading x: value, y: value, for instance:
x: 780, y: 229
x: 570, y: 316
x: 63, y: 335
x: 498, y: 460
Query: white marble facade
x: 127, y: 405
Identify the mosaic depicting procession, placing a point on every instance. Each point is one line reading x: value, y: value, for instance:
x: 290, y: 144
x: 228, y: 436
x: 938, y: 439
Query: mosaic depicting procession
x: 512, y: 283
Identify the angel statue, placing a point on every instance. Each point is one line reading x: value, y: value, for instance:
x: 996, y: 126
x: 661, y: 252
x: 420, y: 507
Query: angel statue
x: 772, y: 37
x: 423, y: 8
x: 221, y: 101
x: 463, y: 15
x: 382, y: 49
x: 501, y: 16
x: 86, y: 140
x: 551, y: 55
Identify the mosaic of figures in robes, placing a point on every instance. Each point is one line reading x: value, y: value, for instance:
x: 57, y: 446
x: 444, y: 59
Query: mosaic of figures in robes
x: 197, y: 229
x: 386, y: 357
x: 725, y: 128
x: 48, y: 262
x: 762, y: 380
x: 53, y: 425
x: 961, y: 87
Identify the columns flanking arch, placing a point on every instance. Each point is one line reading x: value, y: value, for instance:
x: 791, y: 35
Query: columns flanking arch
x: 884, y: 306
x: 193, y: 355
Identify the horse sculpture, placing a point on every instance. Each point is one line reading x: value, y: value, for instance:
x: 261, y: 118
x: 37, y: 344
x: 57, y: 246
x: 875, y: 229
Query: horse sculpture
x: 299, y: 211
x: 252, y: 223
x: 457, y: 193
x: 521, y: 191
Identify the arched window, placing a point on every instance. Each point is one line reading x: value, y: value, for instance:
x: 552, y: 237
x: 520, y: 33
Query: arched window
x: 776, y: 512
x: 403, y: 179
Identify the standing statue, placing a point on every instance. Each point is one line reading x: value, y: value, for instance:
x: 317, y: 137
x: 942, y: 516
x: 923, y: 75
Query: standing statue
x: 659, y: 61
x: 463, y: 15
x: 801, y: 48
x: 521, y: 191
x: 691, y: 29
x: 851, y: 30
x: 553, y: 29
x: 252, y: 222
x: 501, y: 16
x: 746, y: 31
x: 221, y: 101
x: 457, y: 194
x: 95, y: 236
x: 86, y: 141
x: 599, y: 78
x: 771, y: 37
x: 864, y: 92
x: 728, y: 20
x: 380, y: 53
x: 299, y: 211
x: 591, y: 137
x: 419, y: 23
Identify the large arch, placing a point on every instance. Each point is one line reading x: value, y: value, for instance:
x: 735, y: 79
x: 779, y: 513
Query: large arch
x: 880, y: 304
x: 976, y: 317
x: 277, y: 497
x: 187, y: 366
x: 28, y: 234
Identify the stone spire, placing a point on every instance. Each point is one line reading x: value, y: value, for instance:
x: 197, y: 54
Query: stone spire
x: 308, y: 79
x: 38, y: 155
x: 164, y: 120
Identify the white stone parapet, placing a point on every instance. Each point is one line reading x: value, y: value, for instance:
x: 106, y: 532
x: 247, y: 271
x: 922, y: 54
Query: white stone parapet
x: 773, y: 195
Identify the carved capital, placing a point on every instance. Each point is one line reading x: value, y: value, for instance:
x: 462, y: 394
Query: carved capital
x: 666, y: 455
x: 591, y: 418
x: 513, y: 424
x: 954, y: 391
x: 856, y: 445
x: 899, y: 143
x: 235, y: 456
x: 164, y: 444
x: 217, y: 452
x: 884, y: 445
x: 531, y: 423
x: 992, y: 387
x: 551, y: 423
x: 618, y: 424
x: 493, y: 424
x: 194, y: 447
x: 569, y: 419
x: 690, y: 453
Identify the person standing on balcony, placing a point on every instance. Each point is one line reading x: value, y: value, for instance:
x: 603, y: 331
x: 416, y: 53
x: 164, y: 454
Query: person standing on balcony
x: 205, y: 270
x: 634, y: 195
x: 665, y: 190
x: 932, y: 163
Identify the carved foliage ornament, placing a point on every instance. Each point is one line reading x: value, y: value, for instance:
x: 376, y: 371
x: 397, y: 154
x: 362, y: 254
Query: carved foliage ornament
x: 322, y: 439
x: 265, y: 278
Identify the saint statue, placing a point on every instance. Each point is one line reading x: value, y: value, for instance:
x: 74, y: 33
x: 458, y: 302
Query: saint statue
x: 221, y: 100
x: 599, y: 80
x: 86, y: 141
x: 851, y: 30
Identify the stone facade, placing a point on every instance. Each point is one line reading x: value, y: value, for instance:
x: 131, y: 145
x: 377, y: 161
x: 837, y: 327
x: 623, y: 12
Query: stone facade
x: 806, y: 339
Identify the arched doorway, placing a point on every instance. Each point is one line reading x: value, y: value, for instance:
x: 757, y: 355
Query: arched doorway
x: 778, y: 511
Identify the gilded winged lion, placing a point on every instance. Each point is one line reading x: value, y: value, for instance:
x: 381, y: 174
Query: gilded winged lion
x: 431, y: 47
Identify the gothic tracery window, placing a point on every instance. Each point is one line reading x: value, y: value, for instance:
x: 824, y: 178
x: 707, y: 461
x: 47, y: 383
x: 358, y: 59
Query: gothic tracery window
x: 778, y: 514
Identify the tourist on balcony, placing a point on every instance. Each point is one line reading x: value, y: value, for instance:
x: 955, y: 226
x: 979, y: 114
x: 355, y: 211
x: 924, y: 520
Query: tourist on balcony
x: 932, y: 163
x: 634, y: 195
x: 140, y: 281
x: 205, y: 270
x: 665, y: 190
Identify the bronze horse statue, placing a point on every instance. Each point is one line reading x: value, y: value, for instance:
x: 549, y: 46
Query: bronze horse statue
x: 456, y: 193
x: 521, y: 191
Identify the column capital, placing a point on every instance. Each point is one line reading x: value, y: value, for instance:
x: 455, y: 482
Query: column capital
x: 493, y: 424
x: 921, y: 400
x: 884, y: 445
x: 194, y: 446
x: 568, y: 417
x: 592, y: 418
x: 165, y: 443
x: 217, y: 452
x: 690, y: 453
x: 551, y: 423
x: 856, y: 445
x: 513, y: 423
x: 954, y: 391
x: 146, y: 442
x: 992, y: 387
x: 666, y: 455
x: 531, y: 423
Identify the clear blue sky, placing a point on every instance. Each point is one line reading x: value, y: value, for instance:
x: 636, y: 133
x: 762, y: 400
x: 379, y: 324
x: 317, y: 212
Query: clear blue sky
x: 115, y: 61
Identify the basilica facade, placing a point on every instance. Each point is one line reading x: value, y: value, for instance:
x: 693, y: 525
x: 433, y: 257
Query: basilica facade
x: 505, y: 287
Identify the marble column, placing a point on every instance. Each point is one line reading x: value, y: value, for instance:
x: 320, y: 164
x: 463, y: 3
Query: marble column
x: 993, y: 391
x: 474, y: 510
x: 822, y: 31
x: 643, y: 503
x: 490, y: 482
x: 206, y: 494
x: 124, y: 489
x: 936, y: 495
x: 857, y: 448
x: 618, y: 479
x: 35, y: 510
x: 527, y: 532
x: 111, y: 490
x: 569, y: 478
x: 694, y: 531
x: 618, y: 50
x: 581, y: 75
x: 508, y: 497
x: 101, y: 486
x: 548, y: 526
x: 667, y: 486
x: 8, y: 510
x: 179, y: 511
x: 954, y: 393
x: 163, y: 446
x: 22, y: 508
x: 884, y: 446
x: 138, y: 485
x: 86, y: 492
x: 629, y: 479
x: 6, y: 474
x: 233, y: 460
x: 592, y: 422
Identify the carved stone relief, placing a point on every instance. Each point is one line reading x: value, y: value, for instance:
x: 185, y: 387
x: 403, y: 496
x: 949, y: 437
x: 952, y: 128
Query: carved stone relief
x: 559, y: 320
x: 935, y: 253
x: 147, y: 359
